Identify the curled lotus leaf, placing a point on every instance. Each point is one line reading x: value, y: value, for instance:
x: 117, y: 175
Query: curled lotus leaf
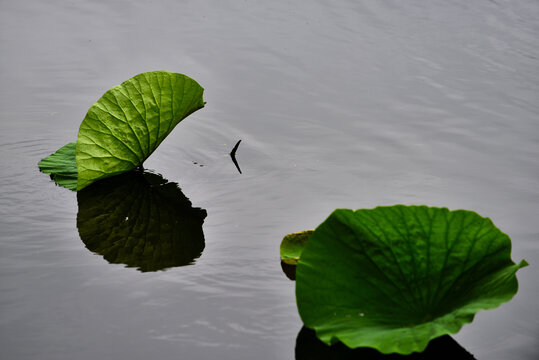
x: 292, y: 246
x: 124, y: 127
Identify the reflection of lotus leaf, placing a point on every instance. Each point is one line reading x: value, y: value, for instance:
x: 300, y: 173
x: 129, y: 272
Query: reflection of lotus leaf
x: 289, y: 270
x: 309, y: 347
x: 141, y: 220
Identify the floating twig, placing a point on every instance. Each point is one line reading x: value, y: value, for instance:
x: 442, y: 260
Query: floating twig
x: 233, y: 152
x: 233, y: 155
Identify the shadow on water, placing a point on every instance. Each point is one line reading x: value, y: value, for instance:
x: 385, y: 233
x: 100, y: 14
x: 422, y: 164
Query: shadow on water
x: 141, y: 220
x: 289, y: 270
x: 309, y: 347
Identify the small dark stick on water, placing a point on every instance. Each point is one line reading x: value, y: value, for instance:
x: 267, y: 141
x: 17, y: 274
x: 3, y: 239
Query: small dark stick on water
x: 233, y: 155
x: 233, y: 152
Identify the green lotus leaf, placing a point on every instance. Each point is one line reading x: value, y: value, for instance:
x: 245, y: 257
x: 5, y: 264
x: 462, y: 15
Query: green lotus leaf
x: 393, y: 278
x: 125, y: 126
x: 61, y: 166
x: 292, y: 246
x: 140, y: 220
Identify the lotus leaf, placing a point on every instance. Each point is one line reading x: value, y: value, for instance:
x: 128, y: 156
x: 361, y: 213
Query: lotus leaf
x: 62, y: 166
x: 292, y: 246
x: 125, y: 126
x: 393, y: 278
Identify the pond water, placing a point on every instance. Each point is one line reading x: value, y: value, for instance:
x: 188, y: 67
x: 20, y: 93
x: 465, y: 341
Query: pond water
x: 338, y: 105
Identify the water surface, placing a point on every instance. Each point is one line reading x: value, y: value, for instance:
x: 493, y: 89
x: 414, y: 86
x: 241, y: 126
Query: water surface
x: 349, y: 104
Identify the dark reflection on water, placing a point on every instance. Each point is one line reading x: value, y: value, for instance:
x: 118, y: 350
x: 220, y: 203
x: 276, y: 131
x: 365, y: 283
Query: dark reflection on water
x: 141, y: 220
x: 309, y: 347
x: 289, y: 270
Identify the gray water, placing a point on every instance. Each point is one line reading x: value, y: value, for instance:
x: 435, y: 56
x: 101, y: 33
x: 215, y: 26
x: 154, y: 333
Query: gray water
x: 348, y: 104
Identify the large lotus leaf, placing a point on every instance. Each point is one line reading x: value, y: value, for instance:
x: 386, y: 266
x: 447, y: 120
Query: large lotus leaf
x: 141, y: 220
x: 124, y: 127
x: 61, y: 166
x: 393, y: 278
x: 130, y: 120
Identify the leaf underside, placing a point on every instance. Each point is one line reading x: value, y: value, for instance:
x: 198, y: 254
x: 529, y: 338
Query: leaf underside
x: 125, y: 126
x: 393, y: 278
